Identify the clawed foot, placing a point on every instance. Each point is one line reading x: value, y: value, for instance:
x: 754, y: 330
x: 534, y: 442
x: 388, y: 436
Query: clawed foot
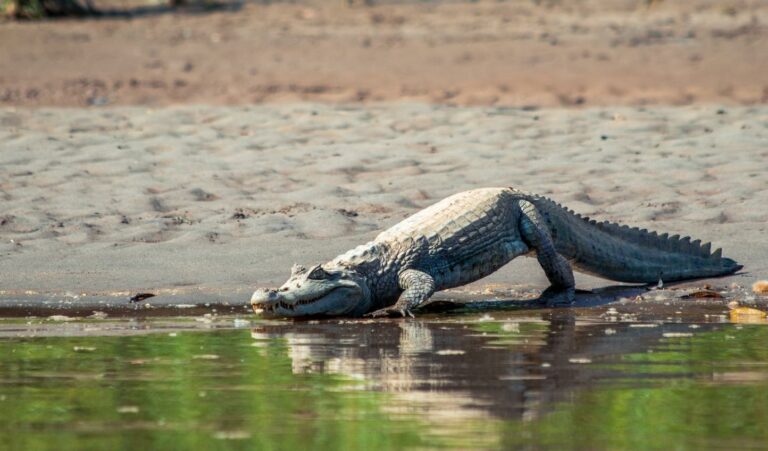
x: 390, y: 311
x: 558, y: 297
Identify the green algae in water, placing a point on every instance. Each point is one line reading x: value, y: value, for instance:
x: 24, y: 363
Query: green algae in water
x: 193, y: 390
x: 391, y: 385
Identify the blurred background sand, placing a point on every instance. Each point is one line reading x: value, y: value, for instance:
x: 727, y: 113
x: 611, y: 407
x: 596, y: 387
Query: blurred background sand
x: 511, y: 53
x: 205, y: 153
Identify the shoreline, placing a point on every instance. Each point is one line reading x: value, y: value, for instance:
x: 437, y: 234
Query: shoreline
x: 213, y: 202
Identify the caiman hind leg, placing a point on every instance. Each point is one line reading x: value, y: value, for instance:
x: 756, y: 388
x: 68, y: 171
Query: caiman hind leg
x: 417, y: 287
x: 536, y: 235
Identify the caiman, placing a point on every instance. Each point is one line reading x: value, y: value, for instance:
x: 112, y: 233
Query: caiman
x: 468, y: 236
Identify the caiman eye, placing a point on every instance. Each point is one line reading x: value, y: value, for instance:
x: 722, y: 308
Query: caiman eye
x: 318, y: 273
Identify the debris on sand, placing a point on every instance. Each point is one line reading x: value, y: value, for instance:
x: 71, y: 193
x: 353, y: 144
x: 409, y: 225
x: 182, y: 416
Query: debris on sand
x: 140, y: 297
x: 742, y: 315
x: 703, y: 294
x: 760, y: 287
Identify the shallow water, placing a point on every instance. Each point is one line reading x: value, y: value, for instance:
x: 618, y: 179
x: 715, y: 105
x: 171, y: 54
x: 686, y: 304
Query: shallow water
x: 506, y: 379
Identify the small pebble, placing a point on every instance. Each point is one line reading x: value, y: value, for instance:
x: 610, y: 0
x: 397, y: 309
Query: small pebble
x: 760, y: 287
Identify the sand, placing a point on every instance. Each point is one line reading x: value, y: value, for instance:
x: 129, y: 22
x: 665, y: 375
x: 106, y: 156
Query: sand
x: 204, y: 202
x: 514, y: 53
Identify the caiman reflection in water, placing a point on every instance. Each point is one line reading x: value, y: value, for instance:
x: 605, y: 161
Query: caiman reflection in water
x: 563, y: 379
x: 474, y: 367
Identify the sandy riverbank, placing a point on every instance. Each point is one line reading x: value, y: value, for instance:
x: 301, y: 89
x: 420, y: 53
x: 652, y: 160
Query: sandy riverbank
x: 210, y: 202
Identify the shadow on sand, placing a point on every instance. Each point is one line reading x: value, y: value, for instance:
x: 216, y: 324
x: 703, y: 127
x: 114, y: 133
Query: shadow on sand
x: 595, y: 298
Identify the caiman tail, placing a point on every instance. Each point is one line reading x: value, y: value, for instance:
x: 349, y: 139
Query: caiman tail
x: 626, y: 254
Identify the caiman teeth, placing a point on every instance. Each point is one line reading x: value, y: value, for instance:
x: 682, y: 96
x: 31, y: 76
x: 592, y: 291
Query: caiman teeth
x: 305, y: 301
x: 259, y: 309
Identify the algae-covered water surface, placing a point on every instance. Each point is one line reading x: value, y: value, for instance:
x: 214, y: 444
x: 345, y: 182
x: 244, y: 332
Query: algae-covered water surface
x: 504, y: 380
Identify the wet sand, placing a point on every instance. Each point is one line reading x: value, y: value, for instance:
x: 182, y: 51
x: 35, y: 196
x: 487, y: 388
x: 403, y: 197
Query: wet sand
x: 207, y: 203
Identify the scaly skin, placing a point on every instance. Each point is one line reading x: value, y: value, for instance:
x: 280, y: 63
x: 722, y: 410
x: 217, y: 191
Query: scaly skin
x: 468, y: 236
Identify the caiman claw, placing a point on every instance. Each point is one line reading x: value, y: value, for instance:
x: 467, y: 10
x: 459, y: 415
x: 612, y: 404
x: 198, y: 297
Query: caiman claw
x: 390, y: 312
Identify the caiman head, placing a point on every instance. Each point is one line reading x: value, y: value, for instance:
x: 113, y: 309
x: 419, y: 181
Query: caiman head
x: 318, y: 291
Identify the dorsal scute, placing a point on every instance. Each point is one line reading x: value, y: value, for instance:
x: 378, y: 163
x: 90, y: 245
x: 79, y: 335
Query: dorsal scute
x: 653, y: 239
x: 645, y: 237
x: 683, y: 244
x: 696, y: 247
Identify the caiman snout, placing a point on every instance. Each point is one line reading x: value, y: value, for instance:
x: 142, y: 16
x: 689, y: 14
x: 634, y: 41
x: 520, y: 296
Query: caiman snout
x: 263, y: 298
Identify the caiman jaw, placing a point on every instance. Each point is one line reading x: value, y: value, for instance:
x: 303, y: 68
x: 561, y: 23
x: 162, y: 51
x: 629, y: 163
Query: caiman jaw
x: 264, y: 300
x: 319, y: 292
x: 268, y: 301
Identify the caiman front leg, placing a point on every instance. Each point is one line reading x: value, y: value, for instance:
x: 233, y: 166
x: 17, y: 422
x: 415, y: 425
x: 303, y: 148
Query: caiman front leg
x: 536, y: 235
x: 417, y: 287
